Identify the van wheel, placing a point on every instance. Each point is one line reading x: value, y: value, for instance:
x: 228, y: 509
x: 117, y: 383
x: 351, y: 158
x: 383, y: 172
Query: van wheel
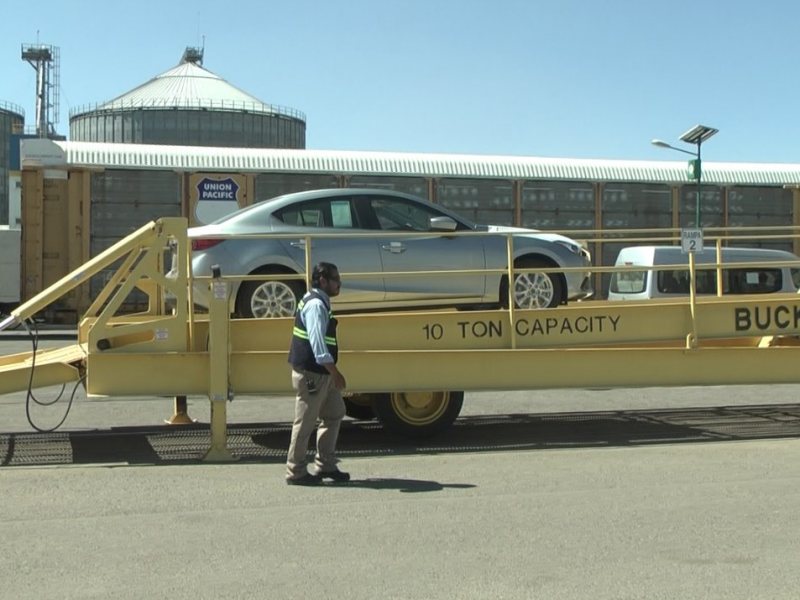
x: 417, y: 414
x: 533, y: 290
x: 268, y: 299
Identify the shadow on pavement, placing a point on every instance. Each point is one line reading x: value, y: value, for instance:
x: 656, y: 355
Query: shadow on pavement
x: 267, y: 442
x: 409, y: 486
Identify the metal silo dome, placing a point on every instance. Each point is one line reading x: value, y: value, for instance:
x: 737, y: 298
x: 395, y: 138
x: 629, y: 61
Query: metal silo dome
x: 12, y: 122
x: 189, y: 105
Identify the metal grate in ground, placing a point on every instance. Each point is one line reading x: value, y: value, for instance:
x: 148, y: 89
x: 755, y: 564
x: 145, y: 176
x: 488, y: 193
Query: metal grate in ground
x: 268, y: 442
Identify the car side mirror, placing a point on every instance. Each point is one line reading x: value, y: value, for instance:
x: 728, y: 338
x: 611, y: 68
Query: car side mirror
x: 443, y: 224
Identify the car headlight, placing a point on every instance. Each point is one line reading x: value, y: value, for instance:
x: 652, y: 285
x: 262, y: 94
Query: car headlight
x: 574, y: 248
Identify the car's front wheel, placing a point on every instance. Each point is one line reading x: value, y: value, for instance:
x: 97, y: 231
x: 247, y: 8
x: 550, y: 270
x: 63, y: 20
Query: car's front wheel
x: 268, y: 299
x: 535, y: 289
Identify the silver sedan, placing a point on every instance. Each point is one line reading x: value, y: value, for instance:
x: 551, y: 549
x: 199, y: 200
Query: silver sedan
x: 335, y: 213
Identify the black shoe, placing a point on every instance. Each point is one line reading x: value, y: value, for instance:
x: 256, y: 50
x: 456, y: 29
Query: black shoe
x: 337, y: 476
x: 307, y: 479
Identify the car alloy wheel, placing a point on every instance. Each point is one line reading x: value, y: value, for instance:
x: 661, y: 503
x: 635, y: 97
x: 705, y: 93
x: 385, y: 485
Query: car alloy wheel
x: 273, y: 299
x: 533, y: 290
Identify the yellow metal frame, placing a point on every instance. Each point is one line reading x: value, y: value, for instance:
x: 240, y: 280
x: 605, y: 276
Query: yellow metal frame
x: 167, y: 350
x: 155, y: 330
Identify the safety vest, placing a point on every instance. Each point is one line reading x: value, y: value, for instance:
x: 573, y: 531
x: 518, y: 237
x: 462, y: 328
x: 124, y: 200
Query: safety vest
x: 301, y: 354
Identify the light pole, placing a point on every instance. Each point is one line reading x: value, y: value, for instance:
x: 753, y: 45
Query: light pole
x: 696, y: 135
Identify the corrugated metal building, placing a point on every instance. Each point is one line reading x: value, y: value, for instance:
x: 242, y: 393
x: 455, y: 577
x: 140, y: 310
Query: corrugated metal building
x: 90, y: 195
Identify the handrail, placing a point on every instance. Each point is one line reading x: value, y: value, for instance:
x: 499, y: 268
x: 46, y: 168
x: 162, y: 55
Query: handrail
x: 11, y: 107
x: 664, y: 237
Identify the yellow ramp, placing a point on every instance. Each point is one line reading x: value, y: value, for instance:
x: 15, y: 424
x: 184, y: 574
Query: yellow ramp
x: 50, y: 367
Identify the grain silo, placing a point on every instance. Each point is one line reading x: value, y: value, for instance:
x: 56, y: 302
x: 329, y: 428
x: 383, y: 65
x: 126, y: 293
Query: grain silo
x: 12, y: 122
x: 189, y: 105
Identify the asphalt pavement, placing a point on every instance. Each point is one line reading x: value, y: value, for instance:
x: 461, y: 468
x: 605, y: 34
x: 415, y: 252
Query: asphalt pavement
x: 610, y: 494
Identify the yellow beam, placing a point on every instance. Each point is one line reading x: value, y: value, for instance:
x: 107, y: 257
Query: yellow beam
x: 147, y: 374
x: 53, y: 367
x: 417, y: 370
x: 583, y: 324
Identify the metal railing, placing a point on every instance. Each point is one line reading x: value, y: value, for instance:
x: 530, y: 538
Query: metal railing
x: 662, y: 237
x: 188, y: 104
x: 11, y: 107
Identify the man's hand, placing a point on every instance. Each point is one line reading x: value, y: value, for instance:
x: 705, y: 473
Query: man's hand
x: 339, y: 381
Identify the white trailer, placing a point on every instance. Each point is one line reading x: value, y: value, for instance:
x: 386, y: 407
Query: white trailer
x: 10, y: 239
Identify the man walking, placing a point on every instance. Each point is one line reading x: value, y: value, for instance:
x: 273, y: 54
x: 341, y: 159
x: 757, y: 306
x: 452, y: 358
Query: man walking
x: 317, y: 380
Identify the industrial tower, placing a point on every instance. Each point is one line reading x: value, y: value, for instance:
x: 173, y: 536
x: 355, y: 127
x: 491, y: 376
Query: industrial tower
x: 45, y: 60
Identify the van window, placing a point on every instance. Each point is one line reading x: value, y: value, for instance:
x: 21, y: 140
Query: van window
x: 677, y: 282
x: 755, y: 281
x: 629, y: 282
x: 734, y: 281
x: 796, y: 278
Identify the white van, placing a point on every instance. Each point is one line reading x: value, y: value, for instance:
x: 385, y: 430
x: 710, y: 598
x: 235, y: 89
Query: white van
x: 671, y: 283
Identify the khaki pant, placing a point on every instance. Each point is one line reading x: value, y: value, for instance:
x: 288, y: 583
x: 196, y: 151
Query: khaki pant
x: 324, y: 403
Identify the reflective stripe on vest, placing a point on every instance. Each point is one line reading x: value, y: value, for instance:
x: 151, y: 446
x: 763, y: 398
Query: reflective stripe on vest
x: 303, y: 335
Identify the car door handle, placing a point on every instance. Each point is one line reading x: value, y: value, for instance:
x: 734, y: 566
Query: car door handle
x: 301, y: 244
x: 394, y: 247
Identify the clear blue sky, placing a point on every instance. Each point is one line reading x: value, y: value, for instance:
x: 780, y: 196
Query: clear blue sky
x: 560, y: 78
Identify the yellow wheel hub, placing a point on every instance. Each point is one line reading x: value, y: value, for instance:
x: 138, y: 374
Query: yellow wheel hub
x: 420, y: 408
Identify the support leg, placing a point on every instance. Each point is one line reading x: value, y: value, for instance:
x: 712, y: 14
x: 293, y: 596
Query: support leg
x: 218, y: 452
x: 181, y: 414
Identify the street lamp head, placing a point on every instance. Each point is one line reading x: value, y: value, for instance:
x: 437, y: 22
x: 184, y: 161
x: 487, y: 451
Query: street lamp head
x: 663, y: 144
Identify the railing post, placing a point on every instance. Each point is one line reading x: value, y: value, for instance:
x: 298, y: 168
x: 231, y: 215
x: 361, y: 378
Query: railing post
x: 691, y: 339
x: 219, y: 391
x: 511, y: 307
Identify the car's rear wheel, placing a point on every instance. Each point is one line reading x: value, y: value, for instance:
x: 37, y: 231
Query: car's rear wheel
x: 418, y: 414
x: 268, y: 299
x: 534, y: 290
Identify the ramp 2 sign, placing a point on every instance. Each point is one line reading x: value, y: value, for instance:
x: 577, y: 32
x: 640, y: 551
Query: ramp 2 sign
x: 691, y: 240
x: 216, y: 198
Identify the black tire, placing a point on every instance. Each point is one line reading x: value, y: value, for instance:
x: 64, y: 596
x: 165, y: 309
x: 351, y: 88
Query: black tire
x: 358, y: 410
x: 417, y: 414
x: 534, y: 290
x: 268, y: 299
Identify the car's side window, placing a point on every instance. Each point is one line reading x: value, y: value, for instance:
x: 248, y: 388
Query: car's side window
x: 328, y: 212
x: 397, y: 215
x: 341, y: 215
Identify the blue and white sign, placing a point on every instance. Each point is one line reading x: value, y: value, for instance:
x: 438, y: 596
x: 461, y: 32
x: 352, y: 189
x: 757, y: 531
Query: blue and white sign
x: 216, y: 198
